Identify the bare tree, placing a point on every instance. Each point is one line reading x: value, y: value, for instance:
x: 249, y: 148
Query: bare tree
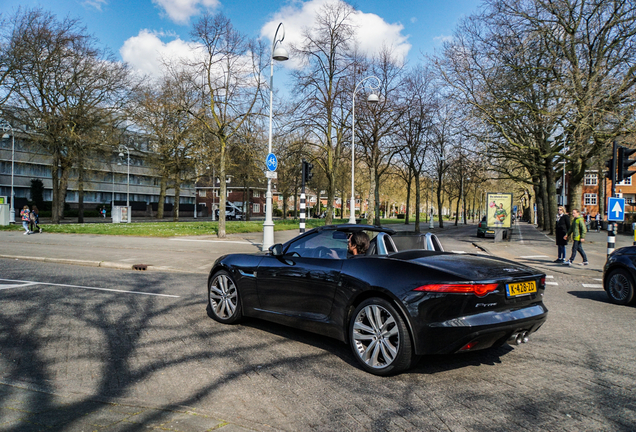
x: 322, y: 87
x: 63, y: 89
x: 231, y: 71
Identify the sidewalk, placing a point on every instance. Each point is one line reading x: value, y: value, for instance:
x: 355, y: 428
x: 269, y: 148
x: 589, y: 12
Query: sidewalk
x: 192, y: 254
x: 533, y: 247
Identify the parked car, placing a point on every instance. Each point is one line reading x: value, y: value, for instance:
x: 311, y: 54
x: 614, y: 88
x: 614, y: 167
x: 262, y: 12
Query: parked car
x: 483, y: 230
x: 390, y: 306
x: 232, y: 212
x: 619, y: 275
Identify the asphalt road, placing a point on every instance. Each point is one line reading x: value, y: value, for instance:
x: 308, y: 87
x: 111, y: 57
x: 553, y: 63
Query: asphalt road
x: 84, y: 348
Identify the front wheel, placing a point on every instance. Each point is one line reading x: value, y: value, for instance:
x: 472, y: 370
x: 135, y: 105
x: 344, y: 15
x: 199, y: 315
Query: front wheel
x: 379, y: 338
x: 620, y: 287
x: 223, y: 299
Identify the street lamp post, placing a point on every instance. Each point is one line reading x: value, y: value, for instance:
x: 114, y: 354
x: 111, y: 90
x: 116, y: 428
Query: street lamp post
x: 6, y: 126
x: 279, y: 54
x: 372, y: 98
x: 121, y: 154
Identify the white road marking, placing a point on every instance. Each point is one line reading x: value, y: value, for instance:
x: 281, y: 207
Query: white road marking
x: 4, y: 287
x: 216, y: 241
x: 26, y: 283
x: 458, y: 252
x: 552, y: 283
x: 598, y: 279
x: 534, y: 256
x: 592, y: 285
x: 549, y: 277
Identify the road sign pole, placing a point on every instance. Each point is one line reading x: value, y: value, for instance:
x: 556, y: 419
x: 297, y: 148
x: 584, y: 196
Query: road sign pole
x: 611, y: 239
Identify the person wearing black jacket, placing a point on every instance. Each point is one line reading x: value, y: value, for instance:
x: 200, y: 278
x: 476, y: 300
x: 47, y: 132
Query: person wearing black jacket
x: 562, y: 228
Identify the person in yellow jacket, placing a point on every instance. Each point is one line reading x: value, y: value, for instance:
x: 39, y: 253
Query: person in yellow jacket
x: 577, y: 231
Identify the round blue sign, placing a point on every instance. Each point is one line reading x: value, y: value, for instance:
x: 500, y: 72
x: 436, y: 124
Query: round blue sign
x: 271, y: 162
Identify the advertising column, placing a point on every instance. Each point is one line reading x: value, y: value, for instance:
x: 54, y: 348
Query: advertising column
x: 499, y: 213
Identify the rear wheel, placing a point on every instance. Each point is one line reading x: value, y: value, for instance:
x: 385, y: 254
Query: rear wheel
x: 223, y: 299
x: 379, y: 338
x: 620, y: 287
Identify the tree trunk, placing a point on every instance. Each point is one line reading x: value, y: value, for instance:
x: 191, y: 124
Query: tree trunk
x: 163, y: 185
x: 408, y: 197
x: 55, y: 184
x: 177, y: 198
x: 371, y: 209
x: 539, y: 200
x: 552, y: 199
x: 439, y: 205
x: 63, y: 186
x: 417, y: 203
x: 459, y: 200
x: 545, y: 199
x: 80, y: 193
x: 377, y: 221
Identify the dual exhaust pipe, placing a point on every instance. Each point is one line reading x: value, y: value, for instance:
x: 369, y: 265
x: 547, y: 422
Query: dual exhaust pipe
x: 519, y: 338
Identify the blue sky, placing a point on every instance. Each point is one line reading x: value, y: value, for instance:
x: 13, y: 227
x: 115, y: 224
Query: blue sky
x: 136, y: 30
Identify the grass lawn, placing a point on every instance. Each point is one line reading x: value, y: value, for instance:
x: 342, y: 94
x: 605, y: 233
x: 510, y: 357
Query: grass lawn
x: 171, y: 229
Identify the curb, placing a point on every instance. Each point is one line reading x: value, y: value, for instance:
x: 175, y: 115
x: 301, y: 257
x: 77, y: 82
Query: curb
x: 88, y: 263
x: 480, y: 247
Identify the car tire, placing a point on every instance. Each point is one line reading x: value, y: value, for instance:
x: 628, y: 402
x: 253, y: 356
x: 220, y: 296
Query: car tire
x: 620, y: 287
x: 224, y: 304
x: 379, y: 338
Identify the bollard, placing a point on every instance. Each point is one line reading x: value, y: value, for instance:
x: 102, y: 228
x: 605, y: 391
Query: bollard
x: 302, y: 212
x: 611, y: 239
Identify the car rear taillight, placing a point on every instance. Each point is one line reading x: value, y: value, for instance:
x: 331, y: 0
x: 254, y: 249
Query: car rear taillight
x: 543, y: 281
x: 479, y: 290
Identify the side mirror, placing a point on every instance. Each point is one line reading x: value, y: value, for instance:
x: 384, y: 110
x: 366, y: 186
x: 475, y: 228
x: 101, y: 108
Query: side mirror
x: 276, y: 250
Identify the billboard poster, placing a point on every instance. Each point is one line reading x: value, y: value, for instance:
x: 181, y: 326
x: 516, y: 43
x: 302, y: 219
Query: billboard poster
x: 499, y: 210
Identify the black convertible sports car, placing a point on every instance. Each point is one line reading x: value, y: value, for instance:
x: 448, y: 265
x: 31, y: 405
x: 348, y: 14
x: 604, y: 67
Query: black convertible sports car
x: 390, y: 305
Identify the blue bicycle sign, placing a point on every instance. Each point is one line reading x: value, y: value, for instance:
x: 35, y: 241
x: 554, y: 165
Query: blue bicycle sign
x: 271, y: 162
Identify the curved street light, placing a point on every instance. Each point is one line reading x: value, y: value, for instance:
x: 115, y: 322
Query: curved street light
x: 6, y: 126
x: 372, y: 98
x: 279, y: 54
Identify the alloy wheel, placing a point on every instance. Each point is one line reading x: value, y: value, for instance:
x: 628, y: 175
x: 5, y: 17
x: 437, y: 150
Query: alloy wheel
x: 223, y: 296
x: 376, y: 336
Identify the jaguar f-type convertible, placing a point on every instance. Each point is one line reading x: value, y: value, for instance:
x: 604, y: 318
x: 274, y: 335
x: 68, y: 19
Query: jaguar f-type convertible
x: 392, y: 306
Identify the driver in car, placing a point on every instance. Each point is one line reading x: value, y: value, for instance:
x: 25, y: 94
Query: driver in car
x: 358, y: 243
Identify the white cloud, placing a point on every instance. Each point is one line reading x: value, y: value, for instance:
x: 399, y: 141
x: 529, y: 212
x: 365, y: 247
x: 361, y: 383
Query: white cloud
x: 146, y: 51
x: 372, y: 31
x: 180, y: 11
x: 442, y: 39
x: 97, y: 4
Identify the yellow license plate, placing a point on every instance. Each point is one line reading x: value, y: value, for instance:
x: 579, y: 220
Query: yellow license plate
x: 521, y: 288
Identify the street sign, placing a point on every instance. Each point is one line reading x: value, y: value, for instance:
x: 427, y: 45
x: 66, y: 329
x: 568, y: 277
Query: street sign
x: 616, y: 209
x: 271, y: 162
x: 271, y: 174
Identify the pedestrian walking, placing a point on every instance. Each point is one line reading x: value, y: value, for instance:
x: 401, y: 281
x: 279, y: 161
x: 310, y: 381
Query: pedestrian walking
x: 103, y: 212
x: 578, y: 231
x: 35, y: 219
x: 562, y: 228
x: 598, y: 222
x: 26, y: 218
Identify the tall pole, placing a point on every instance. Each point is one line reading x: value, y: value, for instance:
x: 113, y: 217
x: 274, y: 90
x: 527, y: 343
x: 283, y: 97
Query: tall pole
x: 352, y: 204
x: 268, y: 225
x: 6, y: 126
x: 121, y: 154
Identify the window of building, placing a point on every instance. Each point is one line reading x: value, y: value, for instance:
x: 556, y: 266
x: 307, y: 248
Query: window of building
x: 202, y: 193
x: 626, y: 182
x: 216, y: 193
x: 591, y: 179
x: 590, y: 199
x: 257, y: 194
x: 256, y: 208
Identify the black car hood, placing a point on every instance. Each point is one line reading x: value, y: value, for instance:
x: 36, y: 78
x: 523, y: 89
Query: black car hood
x: 468, y: 266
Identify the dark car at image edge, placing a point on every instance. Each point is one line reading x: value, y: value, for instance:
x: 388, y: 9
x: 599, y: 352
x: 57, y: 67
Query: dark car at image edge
x: 619, y: 274
x: 391, y: 306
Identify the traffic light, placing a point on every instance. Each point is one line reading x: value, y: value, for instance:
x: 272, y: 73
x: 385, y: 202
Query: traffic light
x: 609, y: 164
x: 624, y: 162
x: 307, y: 174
